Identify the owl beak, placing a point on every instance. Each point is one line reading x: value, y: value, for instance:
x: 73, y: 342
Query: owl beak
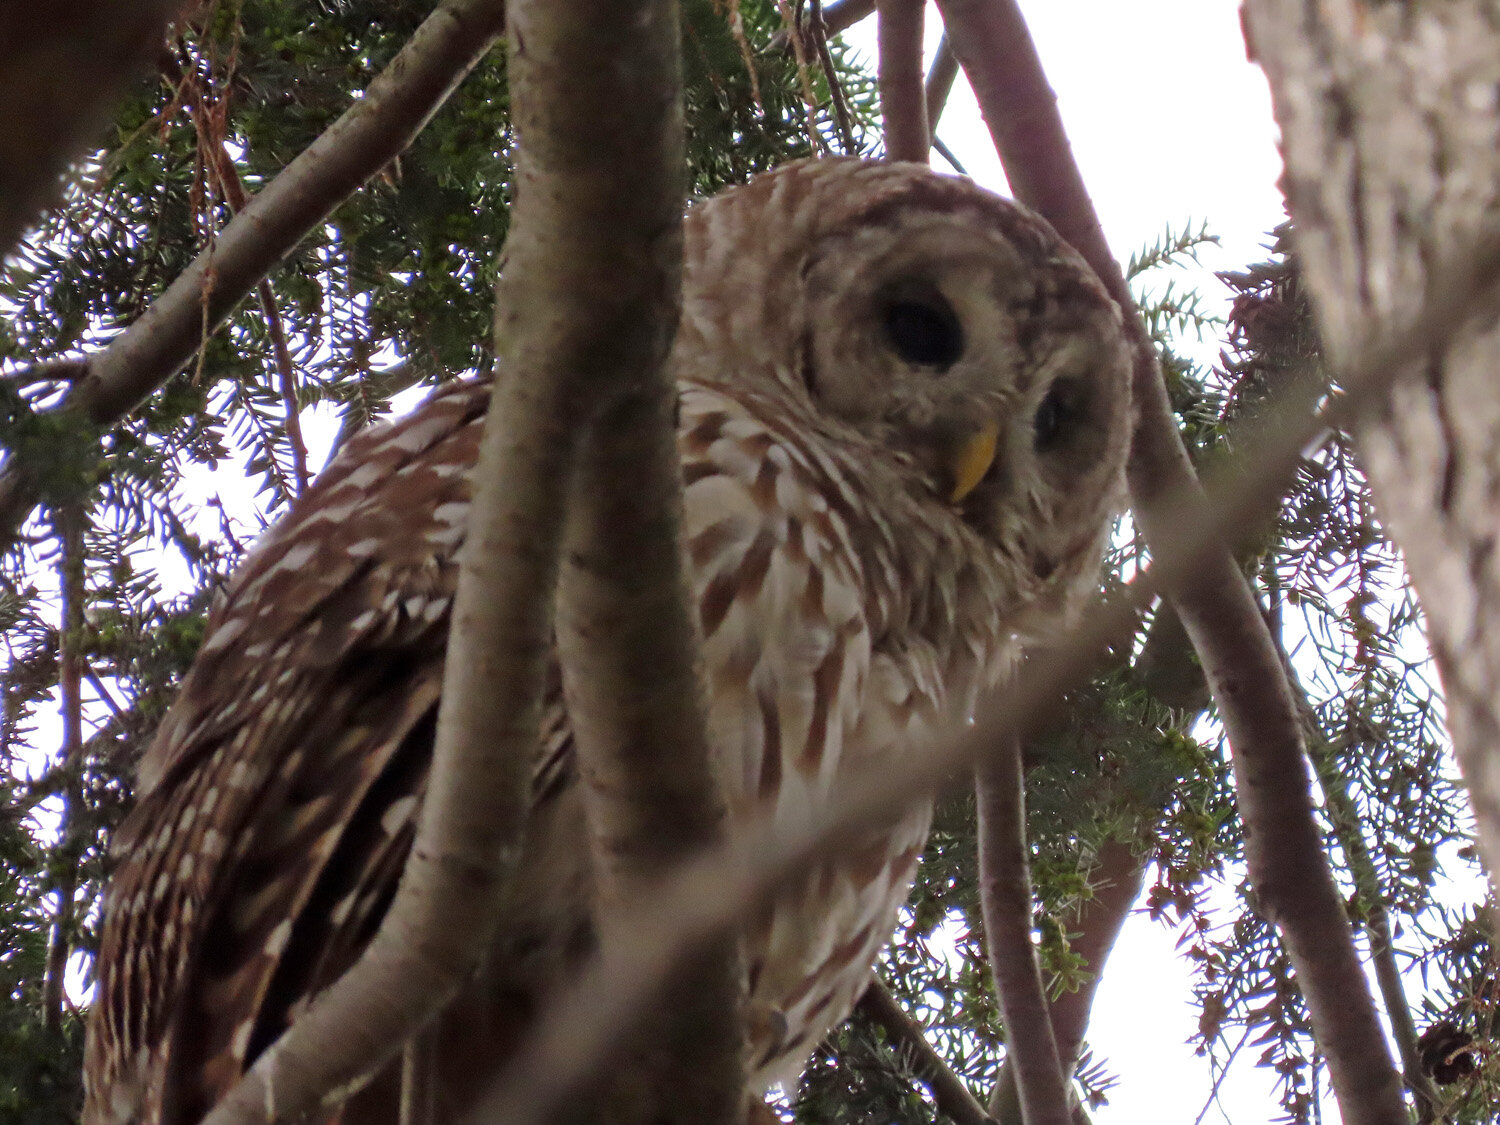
x: 972, y: 458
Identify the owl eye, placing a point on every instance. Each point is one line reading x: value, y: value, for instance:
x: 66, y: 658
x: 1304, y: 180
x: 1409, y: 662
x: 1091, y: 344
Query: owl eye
x: 1055, y: 416
x: 924, y: 331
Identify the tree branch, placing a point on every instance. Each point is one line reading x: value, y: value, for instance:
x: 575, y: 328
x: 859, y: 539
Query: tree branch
x: 599, y: 103
x: 71, y: 666
x: 1116, y: 881
x: 903, y: 104
x: 62, y: 67
x: 844, y: 14
x: 838, y: 16
x: 1284, y: 847
x: 361, y: 142
x: 951, y: 1093
x: 1392, y: 168
x: 468, y: 836
x: 939, y: 85
x: 233, y: 189
x: 1005, y: 898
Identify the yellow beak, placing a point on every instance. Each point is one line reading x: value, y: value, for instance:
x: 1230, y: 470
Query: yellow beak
x: 972, y: 458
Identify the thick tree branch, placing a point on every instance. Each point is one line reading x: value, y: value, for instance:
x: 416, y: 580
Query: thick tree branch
x: 1284, y: 846
x: 373, y: 131
x: 601, y: 119
x: 952, y: 1095
x: 468, y: 836
x: 1005, y: 897
x: 903, y: 103
x: 62, y: 66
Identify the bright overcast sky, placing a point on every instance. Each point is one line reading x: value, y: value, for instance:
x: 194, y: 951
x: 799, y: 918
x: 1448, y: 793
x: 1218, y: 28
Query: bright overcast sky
x: 1171, y: 125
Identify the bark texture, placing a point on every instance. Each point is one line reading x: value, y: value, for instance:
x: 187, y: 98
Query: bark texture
x: 903, y: 96
x: 1390, y: 117
x: 603, y: 136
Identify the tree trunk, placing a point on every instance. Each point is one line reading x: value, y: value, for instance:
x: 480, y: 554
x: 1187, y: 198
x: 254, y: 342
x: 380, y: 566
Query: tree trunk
x: 1390, y: 117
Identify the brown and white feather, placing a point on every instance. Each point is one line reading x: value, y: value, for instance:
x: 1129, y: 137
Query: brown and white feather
x: 849, y: 612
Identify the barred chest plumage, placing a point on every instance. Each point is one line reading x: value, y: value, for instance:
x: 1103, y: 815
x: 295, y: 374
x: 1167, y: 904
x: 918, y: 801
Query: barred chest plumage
x: 904, y: 415
x: 814, y: 670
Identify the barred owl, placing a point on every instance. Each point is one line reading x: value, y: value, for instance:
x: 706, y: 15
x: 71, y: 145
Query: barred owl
x: 903, y: 417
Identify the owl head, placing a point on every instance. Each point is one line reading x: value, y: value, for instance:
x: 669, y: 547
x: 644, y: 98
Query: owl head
x: 948, y: 330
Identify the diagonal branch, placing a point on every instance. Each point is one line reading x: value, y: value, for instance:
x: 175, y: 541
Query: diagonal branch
x: 374, y: 130
x: 1117, y: 879
x: 940, y: 78
x: 950, y: 1093
x: 1284, y: 846
x: 233, y: 189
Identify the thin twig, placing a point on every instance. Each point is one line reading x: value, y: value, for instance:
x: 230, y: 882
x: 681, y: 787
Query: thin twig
x: 104, y: 694
x: 804, y: 73
x: 837, y: 17
x: 1213, y: 1091
x: 233, y: 190
x: 947, y: 154
x: 939, y: 85
x: 841, y: 117
x: 70, y: 669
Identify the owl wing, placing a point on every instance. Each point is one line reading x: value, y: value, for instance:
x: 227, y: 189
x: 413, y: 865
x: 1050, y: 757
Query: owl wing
x: 276, y: 804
